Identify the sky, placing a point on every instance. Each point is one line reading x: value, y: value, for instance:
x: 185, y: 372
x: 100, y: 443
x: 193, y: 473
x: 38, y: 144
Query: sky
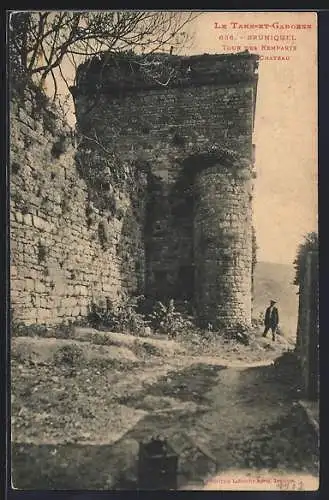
x: 285, y: 129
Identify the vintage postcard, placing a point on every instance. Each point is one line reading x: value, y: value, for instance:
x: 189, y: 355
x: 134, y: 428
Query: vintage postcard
x: 164, y: 250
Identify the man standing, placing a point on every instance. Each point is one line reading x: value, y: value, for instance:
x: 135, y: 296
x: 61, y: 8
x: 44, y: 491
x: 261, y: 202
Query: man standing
x: 271, y: 319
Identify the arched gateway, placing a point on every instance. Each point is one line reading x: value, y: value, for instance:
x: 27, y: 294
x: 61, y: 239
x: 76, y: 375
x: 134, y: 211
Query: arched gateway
x: 191, y: 135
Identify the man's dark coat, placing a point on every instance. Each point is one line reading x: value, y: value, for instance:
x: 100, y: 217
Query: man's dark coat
x: 271, y: 317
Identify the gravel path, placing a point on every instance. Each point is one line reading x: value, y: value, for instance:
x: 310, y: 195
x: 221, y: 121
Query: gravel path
x: 241, y: 427
x: 256, y: 430
x: 234, y: 423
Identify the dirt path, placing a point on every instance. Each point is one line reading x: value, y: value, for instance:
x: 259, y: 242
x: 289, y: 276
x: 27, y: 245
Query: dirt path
x: 243, y: 419
x: 221, y: 415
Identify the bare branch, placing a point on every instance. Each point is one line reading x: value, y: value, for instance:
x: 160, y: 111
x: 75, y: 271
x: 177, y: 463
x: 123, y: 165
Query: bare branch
x: 74, y: 36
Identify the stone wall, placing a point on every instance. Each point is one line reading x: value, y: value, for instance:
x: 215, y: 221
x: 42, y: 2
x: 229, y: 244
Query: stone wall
x: 307, y: 345
x: 170, y: 130
x: 223, y: 246
x: 66, y: 251
x: 157, y: 167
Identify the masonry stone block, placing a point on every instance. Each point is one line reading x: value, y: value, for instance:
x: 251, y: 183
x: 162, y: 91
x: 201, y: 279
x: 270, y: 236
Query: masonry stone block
x: 40, y: 287
x: 158, y: 236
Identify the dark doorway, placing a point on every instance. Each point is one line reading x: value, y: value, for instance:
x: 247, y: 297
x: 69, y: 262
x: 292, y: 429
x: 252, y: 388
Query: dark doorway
x: 185, y: 283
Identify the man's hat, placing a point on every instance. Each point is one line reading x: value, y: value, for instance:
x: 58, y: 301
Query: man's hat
x: 273, y: 301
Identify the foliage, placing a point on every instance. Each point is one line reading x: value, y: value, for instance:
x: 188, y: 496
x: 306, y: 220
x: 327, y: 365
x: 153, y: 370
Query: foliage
x: 254, y: 249
x: 20, y: 329
x: 166, y: 319
x: 138, y: 315
x: 70, y: 355
x: 310, y: 243
x: 43, y: 43
x: 122, y: 318
x: 64, y: 330
x: 42, y: 253
x: 105, y: 172
x: 240, y: 333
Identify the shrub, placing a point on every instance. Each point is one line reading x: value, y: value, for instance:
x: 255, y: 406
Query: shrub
x: 240, y: 333
x: 127, y: 316
x: 62, y: 330
x: 123, y: 318
x: 70, y: 355
x: 20, y: 329
x: 141, y: 316
x: 166, y: 319
x: 309, y: 244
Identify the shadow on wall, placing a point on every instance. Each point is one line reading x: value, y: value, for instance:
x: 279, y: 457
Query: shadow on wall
x: 130, y: 249
x: 169, y: 239
x: 116, y: 192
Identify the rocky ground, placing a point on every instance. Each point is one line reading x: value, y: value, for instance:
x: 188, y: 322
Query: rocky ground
x: 81, y: 406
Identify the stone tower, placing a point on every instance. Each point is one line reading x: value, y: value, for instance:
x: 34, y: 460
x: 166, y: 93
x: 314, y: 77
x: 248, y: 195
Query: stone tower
x: 187, y: 124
